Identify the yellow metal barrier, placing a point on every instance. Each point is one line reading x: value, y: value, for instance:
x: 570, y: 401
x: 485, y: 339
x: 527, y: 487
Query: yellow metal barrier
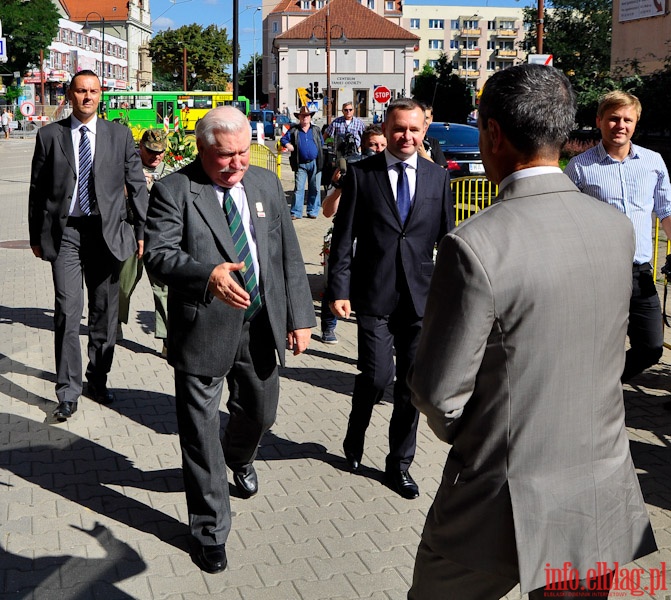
x: 264, y: 157
x: 471, y: 195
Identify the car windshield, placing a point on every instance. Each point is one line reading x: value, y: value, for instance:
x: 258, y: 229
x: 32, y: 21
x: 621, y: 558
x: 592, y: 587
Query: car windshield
x: 454, y: 137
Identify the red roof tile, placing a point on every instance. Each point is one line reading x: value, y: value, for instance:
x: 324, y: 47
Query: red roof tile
x: 357, y: 22
x: 111, y: 10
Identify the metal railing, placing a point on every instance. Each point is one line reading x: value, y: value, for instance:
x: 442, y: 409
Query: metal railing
x: 471, y: 195
x: 264, y: 157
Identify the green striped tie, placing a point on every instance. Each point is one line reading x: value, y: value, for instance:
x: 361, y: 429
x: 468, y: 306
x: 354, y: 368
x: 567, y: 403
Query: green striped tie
x: 244, y: 254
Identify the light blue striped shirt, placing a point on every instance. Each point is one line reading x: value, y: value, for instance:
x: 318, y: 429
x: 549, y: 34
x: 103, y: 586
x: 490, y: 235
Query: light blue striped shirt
x: 637, y: 186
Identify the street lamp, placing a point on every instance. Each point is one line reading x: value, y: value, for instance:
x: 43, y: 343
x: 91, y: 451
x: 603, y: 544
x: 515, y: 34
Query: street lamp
x: 328, y: 33
x: 258, y: 8
x: 86, y: 30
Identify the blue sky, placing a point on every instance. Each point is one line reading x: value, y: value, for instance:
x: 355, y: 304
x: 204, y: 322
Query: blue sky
x: 175, y: 13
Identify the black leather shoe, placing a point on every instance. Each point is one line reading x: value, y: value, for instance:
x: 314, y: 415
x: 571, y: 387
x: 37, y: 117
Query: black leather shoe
x: 403, y: 484
x: 246, y: 481
x: 353, y: 461
x: 65, y: 410
x: 100, y: 394
x: 211, y: 559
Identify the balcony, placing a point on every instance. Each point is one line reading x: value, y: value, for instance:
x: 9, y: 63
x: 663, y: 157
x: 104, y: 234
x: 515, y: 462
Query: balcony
x: 506, y: 33
x: 507, y: 54
x: 472, y: 32
x: 464, y: 52
x: 469, y: 73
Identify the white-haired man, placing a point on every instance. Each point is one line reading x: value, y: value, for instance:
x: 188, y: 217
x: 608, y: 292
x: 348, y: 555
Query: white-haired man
x: 220, y: 236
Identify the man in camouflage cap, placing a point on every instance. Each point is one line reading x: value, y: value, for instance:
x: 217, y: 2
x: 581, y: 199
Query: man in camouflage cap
x: 153, y: 144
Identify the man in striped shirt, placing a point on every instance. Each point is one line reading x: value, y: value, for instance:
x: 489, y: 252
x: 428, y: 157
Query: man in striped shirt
x: 634, y: 180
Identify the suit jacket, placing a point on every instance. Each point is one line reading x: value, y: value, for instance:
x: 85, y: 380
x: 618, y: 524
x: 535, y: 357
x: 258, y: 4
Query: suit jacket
x: 389, y: 255
x: 518, y: 367
x: 116, y: 167
x: 437, y: 154
x: 187, y: 235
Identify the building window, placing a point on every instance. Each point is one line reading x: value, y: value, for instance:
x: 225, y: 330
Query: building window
x: 415, y: 64
x: 370, y: 4
x: 436, y: 24
x: 432, y: 63
x: 390, y: 5
x: 414, y: 23
x: 454, y: 24
x: 319, y: 4
x: 454, y: 44
x: 275, y: 27
x: 470, y: 24
x: 436, y: 44
x: 491, y: 45
x: 506, y: 24
x: 388, y: 61
x: 306, y: 5
x: 491, y: 65
x: 491, y: 25
x: 361, y: 61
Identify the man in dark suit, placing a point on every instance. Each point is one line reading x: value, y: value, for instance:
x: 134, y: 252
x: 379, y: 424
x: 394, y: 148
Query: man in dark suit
x: 396, y: 206
x: 77, y: 220
x: 518, y: 369
x: 219, y: 235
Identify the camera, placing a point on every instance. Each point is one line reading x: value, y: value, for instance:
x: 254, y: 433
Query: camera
x: 666, y: 269
x: 347, y: 145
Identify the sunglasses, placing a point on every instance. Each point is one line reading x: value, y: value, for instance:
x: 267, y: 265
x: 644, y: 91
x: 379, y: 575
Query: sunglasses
x: 347, y: 109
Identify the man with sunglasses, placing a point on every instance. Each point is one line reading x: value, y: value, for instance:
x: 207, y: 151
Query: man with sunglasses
x: 152, y: 149
x: 348, y: 123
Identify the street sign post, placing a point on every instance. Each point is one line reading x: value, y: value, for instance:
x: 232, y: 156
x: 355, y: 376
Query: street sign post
x: 382, y: 94
x: 3, y: 50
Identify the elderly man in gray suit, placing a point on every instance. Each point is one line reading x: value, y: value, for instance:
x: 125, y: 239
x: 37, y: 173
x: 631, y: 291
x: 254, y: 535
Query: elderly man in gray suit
x: 518, y: 368
x: 220, y: 236
x: 79, y: 223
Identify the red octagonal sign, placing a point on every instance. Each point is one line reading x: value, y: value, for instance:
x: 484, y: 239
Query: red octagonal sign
x: 382, y: 94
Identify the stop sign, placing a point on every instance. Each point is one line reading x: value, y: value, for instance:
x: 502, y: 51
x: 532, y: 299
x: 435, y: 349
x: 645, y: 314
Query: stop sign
x: 382, y: 94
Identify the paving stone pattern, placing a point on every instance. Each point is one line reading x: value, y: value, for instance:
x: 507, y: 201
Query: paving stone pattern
x: 94, y: 508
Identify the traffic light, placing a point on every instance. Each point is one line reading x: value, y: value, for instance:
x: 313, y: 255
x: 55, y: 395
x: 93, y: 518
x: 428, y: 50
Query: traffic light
x: 317, y: 95
x: 310, y: 92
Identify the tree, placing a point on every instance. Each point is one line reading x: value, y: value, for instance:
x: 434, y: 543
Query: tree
x: 29, y: 27
x: 440, y: 83
x: 578, y: 35
x: 246, y: 81
x: 208, y: 52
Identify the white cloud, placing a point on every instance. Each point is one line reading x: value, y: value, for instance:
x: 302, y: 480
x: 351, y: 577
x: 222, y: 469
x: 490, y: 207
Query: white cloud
x: 163, y: 23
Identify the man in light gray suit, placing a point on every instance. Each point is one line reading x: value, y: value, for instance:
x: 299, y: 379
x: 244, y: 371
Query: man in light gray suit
x: 518, y: 368
x: 79, y: 223
x: 220, y: 236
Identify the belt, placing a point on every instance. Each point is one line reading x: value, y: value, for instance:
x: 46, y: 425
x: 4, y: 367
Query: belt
x: 642, y: 267
x: 90, y: 221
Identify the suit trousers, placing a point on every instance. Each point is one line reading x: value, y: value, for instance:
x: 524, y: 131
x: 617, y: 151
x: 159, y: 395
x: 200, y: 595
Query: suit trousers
x: 378, y: 338
x: 253, y: 383
x: 645, y: 330
x: 438, y: 577
x: 84, y: 257
x: 131, y: 273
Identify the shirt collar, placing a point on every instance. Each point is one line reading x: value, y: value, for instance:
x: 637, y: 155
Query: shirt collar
x: 392, y: 160
x: 604, y: 156
x: 529, y: 172
x: 75, y: 123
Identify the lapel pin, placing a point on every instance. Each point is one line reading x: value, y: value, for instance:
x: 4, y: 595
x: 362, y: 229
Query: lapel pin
x: 259, y: 210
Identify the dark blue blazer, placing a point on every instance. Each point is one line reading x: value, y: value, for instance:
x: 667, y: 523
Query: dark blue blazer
x: 390, y: 256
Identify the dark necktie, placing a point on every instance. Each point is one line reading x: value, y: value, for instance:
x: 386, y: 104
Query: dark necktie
x: 244, y: 255
x: 85, y: 190
x: 402, y: 191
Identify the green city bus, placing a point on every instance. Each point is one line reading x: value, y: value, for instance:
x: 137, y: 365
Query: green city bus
x: 151, y: 110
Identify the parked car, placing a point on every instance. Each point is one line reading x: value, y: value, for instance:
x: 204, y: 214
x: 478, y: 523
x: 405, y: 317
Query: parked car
x: 281, y: 121
x: 267, y: 117
x: 459, y: 143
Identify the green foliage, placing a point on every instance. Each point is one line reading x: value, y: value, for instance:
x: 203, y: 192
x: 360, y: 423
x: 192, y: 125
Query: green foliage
x: 578, y: 35
x: 208, y: 51
x: 181, y: 150
x: 652, y: 90
x: 246, y: 81
x: 448, y: 94
x: 29, y: 27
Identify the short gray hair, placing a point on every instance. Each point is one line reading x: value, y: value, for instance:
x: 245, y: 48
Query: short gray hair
x: 534, y: 105
x: 225, y: 119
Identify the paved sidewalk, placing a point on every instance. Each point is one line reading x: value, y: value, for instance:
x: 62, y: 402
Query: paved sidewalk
x: 94, y: 508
